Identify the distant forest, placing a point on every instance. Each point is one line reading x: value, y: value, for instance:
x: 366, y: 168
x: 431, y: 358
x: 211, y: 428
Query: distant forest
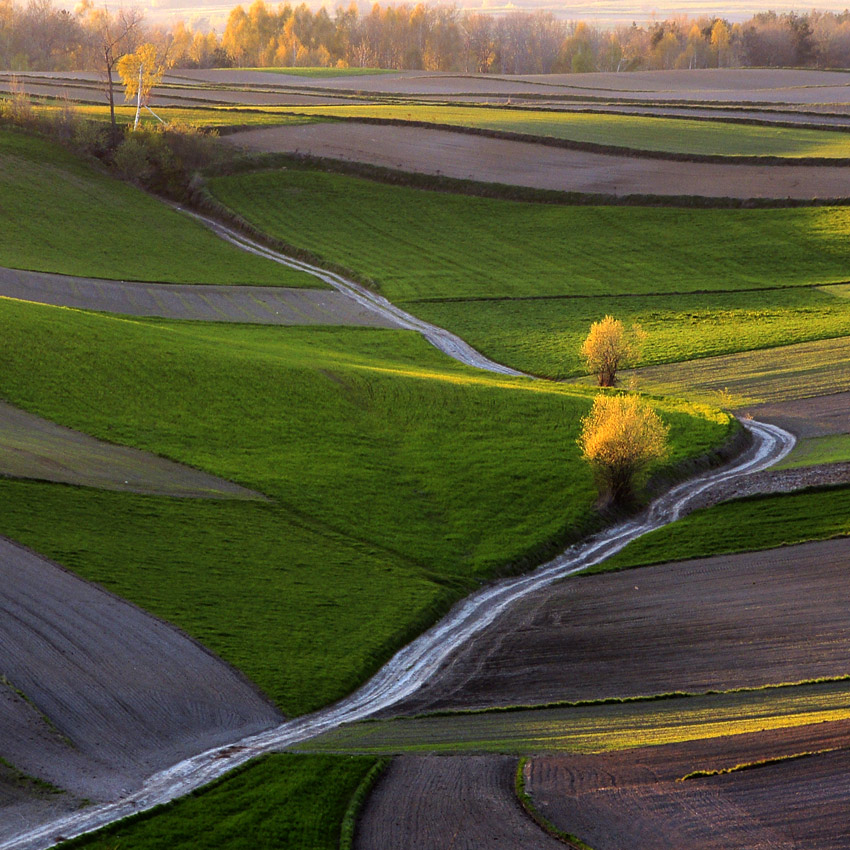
x: 39, y: 36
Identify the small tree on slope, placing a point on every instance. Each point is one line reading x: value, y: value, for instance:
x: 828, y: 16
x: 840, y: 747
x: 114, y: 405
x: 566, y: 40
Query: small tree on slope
x: 609, y: 346
x: 620, y: 438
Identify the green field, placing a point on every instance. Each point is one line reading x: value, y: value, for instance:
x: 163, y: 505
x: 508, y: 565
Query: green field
x: 281, y: 802
x: 743, y: 525
x: 399, y: 480
x: 678, y: 135
x: 834, y: 448
x: 200, y: 116
x: 597, y: 727
x: 543, y: 335
x: 528, y: 300
x: 60, y: 214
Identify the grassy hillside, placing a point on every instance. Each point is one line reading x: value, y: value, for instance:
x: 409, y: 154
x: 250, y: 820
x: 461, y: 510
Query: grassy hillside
x: 60, y: 214
x: 398, y: 480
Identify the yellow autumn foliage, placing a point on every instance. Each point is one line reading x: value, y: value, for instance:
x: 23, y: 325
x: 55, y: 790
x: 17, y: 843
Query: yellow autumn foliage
x: 620, y: 437
x: 608, y: 346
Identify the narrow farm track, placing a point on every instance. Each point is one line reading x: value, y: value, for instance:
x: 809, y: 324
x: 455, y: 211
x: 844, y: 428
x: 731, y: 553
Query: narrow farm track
x: 416, y: 663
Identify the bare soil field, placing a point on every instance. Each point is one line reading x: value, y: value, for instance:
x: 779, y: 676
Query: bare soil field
x: 97, y: 694
x: 711, y: 624
x: 719, y: 85
x: 808, y: 417
x: 252, y: 304
x: 439, y: 802
x: 32, y: 447
x: 471, y: 157
x: 635, y: 798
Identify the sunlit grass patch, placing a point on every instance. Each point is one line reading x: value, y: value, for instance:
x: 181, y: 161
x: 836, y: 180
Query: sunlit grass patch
x: 834, y: 448
x: 596, y: 728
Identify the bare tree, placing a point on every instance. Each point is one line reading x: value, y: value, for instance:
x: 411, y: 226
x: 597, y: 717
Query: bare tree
x: 112, y: 36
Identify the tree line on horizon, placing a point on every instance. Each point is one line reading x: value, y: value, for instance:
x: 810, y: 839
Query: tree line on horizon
x: 40, y: 36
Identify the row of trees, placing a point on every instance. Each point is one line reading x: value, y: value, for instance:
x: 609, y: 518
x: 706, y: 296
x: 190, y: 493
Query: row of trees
x: 40, y: 36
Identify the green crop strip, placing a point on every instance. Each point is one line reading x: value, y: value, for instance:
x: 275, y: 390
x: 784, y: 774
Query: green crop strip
x: 834, y: 448
x: 596, y: 728
x: 637, y: 132
x: 280, y: 801
x: 744, y: 525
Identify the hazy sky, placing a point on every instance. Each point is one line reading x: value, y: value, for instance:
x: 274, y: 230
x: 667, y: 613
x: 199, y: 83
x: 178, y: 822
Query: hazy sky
x: 601, y: 12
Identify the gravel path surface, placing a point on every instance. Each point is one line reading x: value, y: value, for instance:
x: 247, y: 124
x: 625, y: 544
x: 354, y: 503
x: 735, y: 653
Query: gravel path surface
x: 32, y: 447
x: 714, y: 623
x: 101, y: 694
x: 266, y: 305
x: 471, y: 157
x: 462, y: 803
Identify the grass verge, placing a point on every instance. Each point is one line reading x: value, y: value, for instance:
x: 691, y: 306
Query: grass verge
x: 280, y: 802
x: 743, y: 525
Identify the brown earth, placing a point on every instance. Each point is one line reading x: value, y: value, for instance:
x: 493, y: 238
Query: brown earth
x: 722, y: 85
x: 96, y: 693
x: 32, y: 447
x: 808, y: 417
x: 716, y: 623
x: 632, y: 798
x: 440, y: 802
x: 472, y: 157
x: 268, y: 305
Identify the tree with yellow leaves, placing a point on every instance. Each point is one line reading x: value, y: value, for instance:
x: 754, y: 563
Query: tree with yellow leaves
x: 609, y: 346
x: 620, y: 438
x: 140, y: 72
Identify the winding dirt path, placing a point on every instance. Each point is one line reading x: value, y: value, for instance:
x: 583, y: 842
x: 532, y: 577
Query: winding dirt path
x: 416, y: 663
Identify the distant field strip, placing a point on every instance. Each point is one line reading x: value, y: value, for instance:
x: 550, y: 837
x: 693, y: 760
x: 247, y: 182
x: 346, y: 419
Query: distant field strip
x: 251, y: 304
x: 596, y: 728
x: 32, y: 447
x: 752, y: 377
x: 675, y: 135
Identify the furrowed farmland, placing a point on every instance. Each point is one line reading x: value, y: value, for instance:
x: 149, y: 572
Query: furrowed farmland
x: 306, y: 538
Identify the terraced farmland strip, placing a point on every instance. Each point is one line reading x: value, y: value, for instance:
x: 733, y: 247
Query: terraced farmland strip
x: 638, y: 132
x: 756, y: 377
x: 251, y: 304
x: 599, y: 728
x: 414, y: 244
